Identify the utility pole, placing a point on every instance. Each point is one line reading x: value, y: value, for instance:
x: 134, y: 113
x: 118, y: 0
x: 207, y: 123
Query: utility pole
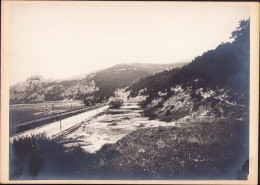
x: 46, y: 110
x: 60, y: 121
x: 52, y: 110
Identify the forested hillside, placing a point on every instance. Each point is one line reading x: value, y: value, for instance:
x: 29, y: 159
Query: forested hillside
x: 213, y: 84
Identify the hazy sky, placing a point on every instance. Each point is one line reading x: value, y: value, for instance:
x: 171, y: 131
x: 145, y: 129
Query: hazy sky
x: 60, y: 41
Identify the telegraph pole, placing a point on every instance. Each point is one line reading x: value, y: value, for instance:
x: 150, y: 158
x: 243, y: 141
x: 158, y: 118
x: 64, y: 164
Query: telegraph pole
x: 52, y: 110
x: 60, y: 121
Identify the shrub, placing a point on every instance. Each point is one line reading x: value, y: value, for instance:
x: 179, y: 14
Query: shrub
x: 196, y: 96
x: 115, y: 103
x: 39, y: 157
x: 149, y: 112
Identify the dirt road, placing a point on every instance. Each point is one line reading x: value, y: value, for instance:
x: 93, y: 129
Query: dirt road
x: 57, y: 127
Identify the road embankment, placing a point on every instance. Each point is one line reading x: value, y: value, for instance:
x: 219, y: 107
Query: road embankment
x: 55, y: 128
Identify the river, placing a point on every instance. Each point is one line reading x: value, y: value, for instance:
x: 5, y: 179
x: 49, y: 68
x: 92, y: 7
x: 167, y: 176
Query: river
x: 109, y: 126
x: 93, y: 129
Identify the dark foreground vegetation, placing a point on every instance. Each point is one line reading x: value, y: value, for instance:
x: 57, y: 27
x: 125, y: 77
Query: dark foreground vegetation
x: 217, y: 150
x: 40, y: 157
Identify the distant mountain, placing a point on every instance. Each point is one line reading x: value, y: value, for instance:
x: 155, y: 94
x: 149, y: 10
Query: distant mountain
x: 155, y: 68
x: 99, y: 85
x: 214, y: 85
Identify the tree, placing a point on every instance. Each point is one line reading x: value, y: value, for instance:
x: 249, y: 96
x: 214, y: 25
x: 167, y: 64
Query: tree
x: 115, y: 103
x: 242, y: 32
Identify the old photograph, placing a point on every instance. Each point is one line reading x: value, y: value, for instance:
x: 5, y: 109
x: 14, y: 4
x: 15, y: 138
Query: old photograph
x: 130, y: 91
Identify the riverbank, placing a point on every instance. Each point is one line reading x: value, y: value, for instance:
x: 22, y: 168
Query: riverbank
x: 198, y: 150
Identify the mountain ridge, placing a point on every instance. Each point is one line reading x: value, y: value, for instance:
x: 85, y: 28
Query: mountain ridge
x: 99, y: 85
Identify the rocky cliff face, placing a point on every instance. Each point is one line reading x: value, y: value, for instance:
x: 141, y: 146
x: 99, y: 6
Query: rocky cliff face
x: 35, y: 89
x: 28, y: 90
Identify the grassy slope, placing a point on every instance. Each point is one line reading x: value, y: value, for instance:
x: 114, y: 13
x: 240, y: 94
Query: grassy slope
x: 197, y: 150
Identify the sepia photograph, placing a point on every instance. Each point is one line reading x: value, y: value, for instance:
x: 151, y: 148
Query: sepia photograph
x: 101, y: 91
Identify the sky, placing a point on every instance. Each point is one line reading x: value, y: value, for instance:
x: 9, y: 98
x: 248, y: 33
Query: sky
x: 62, y: 41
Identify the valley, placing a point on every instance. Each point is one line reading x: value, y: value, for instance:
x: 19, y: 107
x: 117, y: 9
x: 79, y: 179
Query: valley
x: 159, y: 122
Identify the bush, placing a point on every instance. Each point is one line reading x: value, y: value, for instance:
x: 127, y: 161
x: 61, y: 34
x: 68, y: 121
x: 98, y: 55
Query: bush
x: 212, y: 100
x: 196, y: 96
x: 174, y: 115
x: 88, y: 102
x: 148, y: 112
x: 39, y: 157
x: 115, y: 103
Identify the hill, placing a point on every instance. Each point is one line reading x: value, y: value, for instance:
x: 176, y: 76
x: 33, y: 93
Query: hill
x: 100, y: 85
x: 213, y: 85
